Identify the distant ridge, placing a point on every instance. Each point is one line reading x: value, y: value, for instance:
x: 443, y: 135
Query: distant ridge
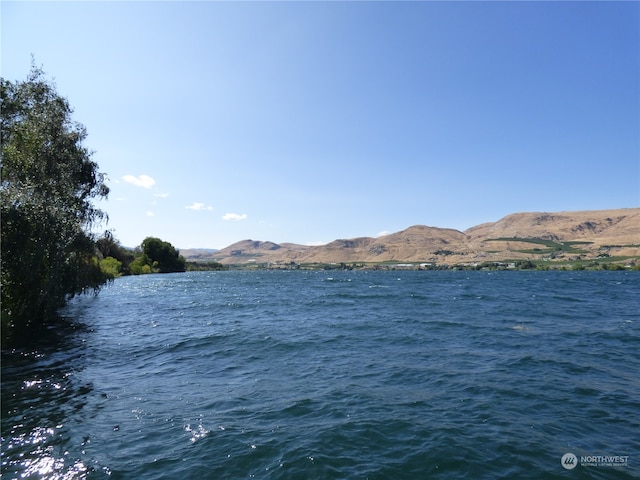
x: 532, y: 235
x: 198, y: 254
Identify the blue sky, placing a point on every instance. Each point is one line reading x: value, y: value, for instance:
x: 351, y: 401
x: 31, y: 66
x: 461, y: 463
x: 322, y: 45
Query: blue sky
x: 310, y: 121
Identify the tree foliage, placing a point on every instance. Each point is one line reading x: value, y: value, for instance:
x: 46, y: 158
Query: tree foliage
x: 109, y: 247
x: 48, y: 183
x: 111, y: 267
x: 157, y: 256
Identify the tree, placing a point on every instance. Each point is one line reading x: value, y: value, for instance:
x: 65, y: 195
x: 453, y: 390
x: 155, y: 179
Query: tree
x: 140, y: 265
x: 48, y: 182
x: 109, y: 246
x: 111, y: 266
x: 162, y: 256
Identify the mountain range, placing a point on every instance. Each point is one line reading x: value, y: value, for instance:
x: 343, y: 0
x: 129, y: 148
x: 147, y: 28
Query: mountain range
x: 577, y: 235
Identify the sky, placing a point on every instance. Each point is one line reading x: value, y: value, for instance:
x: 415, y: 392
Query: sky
x: 306, y: 122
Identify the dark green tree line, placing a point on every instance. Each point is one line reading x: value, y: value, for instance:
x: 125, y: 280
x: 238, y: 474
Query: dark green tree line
x: 47, y: 186
x: 157, y: 256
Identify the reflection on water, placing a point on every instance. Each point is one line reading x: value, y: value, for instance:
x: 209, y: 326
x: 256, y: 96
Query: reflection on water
x: 286, y: 375
x: 40, y: 390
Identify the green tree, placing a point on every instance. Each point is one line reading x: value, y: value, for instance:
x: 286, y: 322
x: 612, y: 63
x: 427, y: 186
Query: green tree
x: 162, y: 256
x: 109, y: 246
x: 140, y: 265
x: 48, y: 182
x: 111, y: 267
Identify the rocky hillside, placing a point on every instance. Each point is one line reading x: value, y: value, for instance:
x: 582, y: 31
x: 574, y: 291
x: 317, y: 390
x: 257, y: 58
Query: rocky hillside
x: 621, y: 226
x: 535, y: 236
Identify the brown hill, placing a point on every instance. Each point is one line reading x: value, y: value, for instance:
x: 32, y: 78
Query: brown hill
x: 592, y: 225
x: 252, y: 251
x: 516, y: 236
x: 198, y: 254
x: 611, y: 232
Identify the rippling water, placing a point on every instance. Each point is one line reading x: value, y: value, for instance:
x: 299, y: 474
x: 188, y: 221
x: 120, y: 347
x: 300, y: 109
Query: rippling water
x: 355, y: 374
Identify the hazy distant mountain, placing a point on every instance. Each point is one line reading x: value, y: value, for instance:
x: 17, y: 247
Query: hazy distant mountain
x: 516, y: 236
x: 198, y: 254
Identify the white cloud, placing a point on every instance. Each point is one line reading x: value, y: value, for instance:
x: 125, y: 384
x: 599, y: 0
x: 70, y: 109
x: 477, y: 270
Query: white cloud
x: 234, y: 216
x: 150, y: 214
x: 161, y: 195
x: 199, y: 207
x: 143, y: 181
x: 382, y: 234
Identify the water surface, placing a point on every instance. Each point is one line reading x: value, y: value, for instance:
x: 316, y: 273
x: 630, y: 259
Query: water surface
x: 294, y: 374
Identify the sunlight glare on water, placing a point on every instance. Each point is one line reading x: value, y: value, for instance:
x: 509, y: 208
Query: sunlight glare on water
x: 336, y: 374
